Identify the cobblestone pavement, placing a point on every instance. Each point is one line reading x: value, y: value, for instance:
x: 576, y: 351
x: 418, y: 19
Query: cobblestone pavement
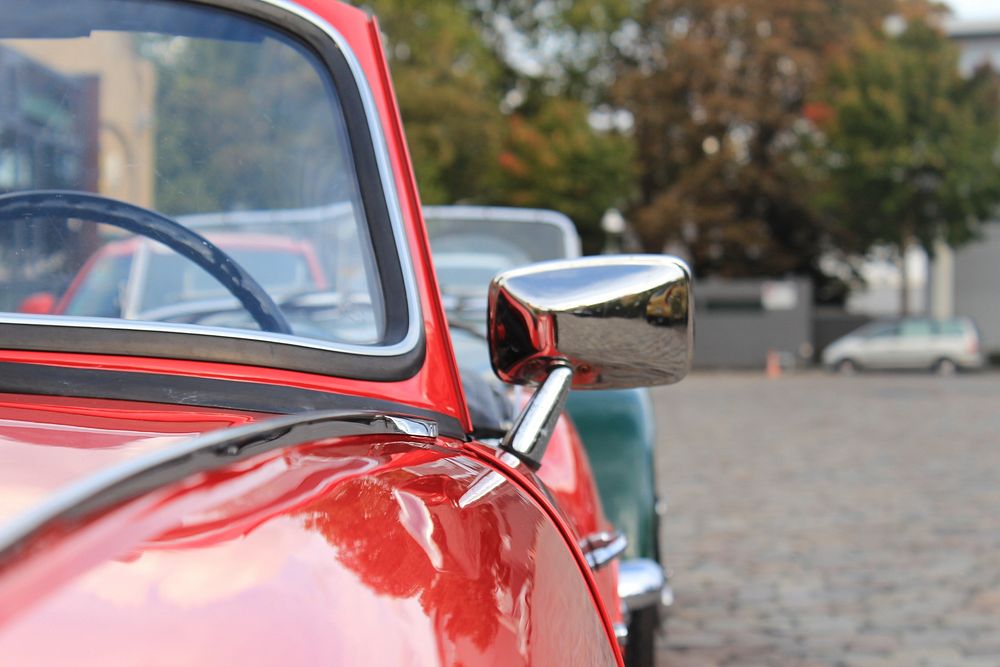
x: 832, y: 521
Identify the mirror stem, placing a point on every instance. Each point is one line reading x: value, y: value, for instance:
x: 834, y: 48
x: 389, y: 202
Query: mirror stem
x: 529, y: 438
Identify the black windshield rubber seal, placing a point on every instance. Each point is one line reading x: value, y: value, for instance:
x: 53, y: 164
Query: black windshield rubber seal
x: 44, y: 380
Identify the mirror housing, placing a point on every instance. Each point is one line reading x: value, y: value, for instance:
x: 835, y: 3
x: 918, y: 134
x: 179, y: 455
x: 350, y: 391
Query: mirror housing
x: 617, y: 321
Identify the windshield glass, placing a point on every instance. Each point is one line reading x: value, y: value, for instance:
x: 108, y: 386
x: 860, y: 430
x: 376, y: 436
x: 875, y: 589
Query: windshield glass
x: 213, y: 120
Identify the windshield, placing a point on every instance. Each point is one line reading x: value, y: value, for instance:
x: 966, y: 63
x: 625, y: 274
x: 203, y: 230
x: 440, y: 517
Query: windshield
x: 215, y: 121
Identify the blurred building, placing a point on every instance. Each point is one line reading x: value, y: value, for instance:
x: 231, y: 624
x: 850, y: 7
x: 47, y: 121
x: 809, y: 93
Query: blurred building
x: 123, y: 88
x: 70, y: 119
x: 961, y: 281
x: 880, y: 296
x: 740, y: 321
x: 979, y: 41
x: 966, y: 281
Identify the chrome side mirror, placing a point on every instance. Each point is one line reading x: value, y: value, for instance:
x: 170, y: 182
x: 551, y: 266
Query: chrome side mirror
x: 616, y: 321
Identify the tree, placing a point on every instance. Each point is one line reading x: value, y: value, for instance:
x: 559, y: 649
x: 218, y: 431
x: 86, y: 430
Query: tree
x: 454, y: 82
x: 717, y: 89
x: 446, y: 82
x: 913, y: 144
x: 555, y: 159
x: 242, y: 126
x: 557, y: 48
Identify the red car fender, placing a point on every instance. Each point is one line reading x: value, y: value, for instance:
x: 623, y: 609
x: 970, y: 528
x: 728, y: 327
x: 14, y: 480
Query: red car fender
x: 603, y: 586
x: 360, y: 550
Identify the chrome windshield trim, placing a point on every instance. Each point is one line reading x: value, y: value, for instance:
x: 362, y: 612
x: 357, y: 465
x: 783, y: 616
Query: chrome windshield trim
x: 108, y: 323
x: 380, y: 145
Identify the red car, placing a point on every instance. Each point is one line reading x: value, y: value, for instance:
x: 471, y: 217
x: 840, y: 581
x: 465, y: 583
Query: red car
x: 161, y: 282
x: 314, y: 481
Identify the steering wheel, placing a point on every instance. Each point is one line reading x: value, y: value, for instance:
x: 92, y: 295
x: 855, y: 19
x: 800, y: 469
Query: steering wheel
x: 42, y: 204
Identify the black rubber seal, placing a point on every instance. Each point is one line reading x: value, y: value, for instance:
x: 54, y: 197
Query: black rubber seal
x: 39, y: 379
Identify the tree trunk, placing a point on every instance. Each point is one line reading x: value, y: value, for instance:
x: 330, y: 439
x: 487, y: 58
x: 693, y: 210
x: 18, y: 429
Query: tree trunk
x: 904, y: 286
x: 904, y: 274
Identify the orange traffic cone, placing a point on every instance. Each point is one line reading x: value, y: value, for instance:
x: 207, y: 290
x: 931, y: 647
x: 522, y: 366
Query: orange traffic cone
x: 773, y: 366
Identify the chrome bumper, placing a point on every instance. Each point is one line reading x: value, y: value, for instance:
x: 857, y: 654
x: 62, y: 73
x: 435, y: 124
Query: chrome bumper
x: 642, y: 583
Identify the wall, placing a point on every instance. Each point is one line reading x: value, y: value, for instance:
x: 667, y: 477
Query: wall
x: 738, y: 321
x: 977, y: 285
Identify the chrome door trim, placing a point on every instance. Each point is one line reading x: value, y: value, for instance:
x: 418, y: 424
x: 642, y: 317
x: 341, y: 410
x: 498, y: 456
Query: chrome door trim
x: 599, y: 549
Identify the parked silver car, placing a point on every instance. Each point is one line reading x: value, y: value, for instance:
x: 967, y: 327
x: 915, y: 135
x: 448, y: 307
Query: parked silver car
x: 945, y: 346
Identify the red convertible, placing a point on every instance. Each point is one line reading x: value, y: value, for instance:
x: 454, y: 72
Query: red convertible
x: 293, y: 477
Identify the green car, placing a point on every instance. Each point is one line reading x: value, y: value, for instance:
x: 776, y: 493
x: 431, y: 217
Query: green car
x: 471, y: 244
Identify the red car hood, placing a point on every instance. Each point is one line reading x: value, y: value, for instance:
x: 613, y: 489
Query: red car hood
x: 49, y: 442
x: 361, y: 549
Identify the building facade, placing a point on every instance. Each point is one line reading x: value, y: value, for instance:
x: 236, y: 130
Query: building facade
x: 966, y: 281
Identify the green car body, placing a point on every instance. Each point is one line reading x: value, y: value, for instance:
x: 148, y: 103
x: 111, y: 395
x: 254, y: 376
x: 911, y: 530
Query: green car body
x: 619, y: 433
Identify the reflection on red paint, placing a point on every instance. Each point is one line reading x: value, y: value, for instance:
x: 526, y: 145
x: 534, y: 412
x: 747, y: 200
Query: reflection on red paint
x: 354, y: 552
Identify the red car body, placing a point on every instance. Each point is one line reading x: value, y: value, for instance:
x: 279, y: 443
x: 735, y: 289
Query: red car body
x: 371, y: 548
x: 127, y: 249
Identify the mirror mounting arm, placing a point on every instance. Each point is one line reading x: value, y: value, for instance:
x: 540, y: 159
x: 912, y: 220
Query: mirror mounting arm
x: 529, y: 438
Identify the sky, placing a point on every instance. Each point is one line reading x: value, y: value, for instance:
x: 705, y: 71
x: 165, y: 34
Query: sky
x: 975, y: 9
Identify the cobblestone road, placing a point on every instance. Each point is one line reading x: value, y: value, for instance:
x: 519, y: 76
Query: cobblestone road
x: 827, y: 521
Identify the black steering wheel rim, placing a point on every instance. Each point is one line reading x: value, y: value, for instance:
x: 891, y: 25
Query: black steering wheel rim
x: 42, y: 204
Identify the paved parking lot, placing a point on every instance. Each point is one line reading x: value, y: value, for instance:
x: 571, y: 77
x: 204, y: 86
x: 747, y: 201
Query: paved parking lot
x: 826, y: 521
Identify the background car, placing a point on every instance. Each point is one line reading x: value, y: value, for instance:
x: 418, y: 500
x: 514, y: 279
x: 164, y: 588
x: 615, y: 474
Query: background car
x: 470, y: 243
x: 323, y: 296
x: 136, y: 277
x: 944, y: 346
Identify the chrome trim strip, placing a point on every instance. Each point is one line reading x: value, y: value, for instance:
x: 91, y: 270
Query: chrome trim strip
x: 601, y: 548
x: 99, y: 323
x: 418, y: 428
x: 147, y: 472
x: 642, y: 583
x: 386, y: 176
x: 487, y: 483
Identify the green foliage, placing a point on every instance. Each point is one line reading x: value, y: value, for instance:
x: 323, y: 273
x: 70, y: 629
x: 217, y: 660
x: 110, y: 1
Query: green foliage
x: 450, y: 83
x: 912, y: 143
x: 565, y: 47
x: 555, y: 159
x: 446, y: 82
x: 243, y: 126
x: 718, y: 94
x: 765, y: 133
